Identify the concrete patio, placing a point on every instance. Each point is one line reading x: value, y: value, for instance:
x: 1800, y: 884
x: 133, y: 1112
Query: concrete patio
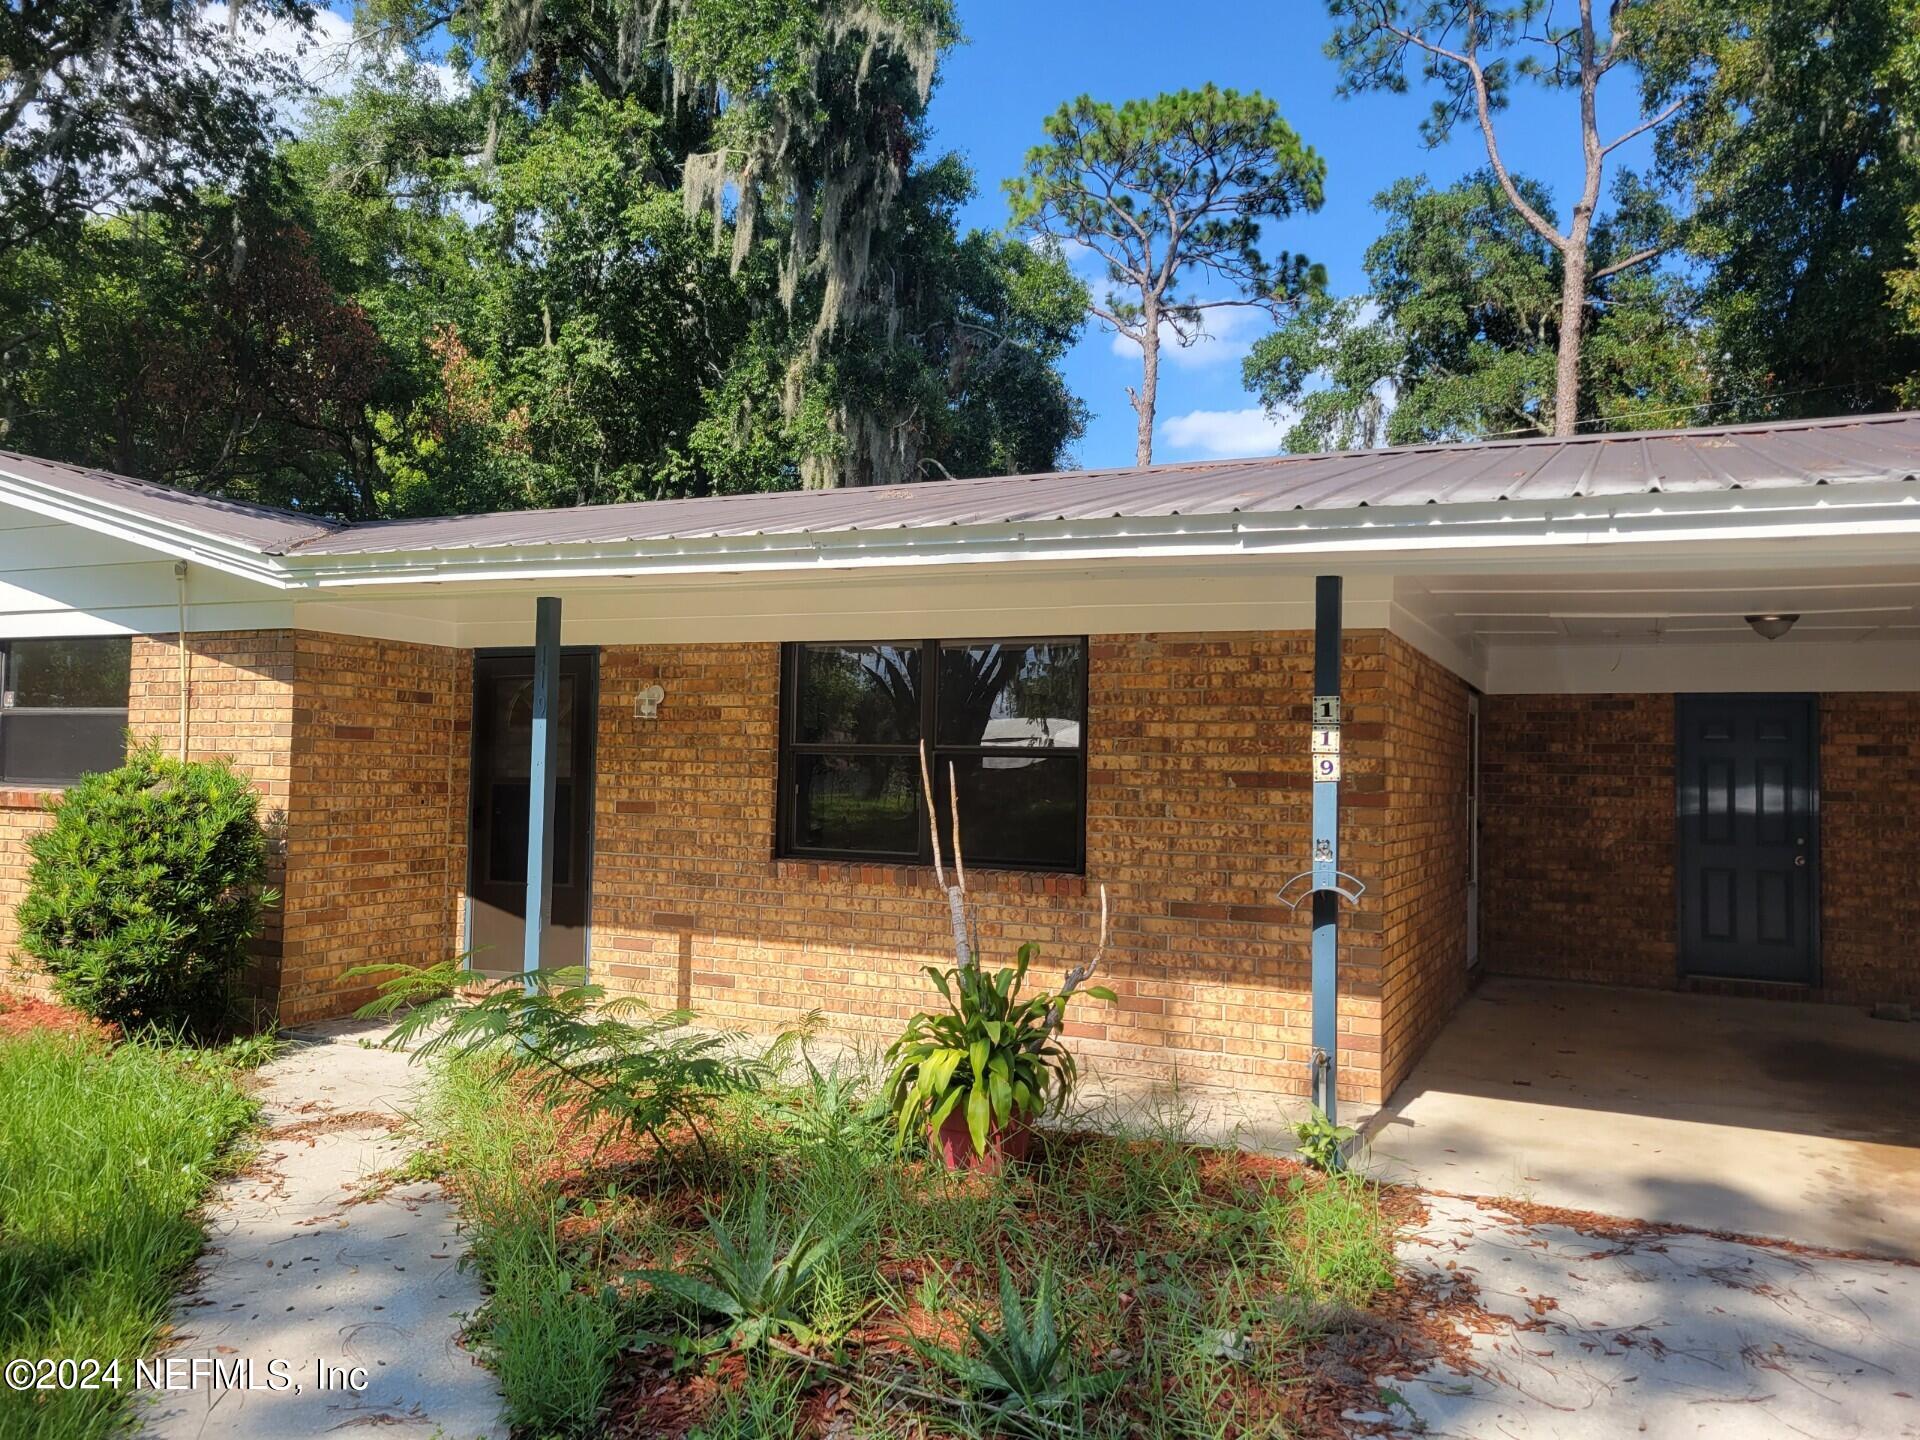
x: 1758, y: 1117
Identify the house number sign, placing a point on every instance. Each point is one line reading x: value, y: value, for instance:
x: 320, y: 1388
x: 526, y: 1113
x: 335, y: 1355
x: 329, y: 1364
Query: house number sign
x: 1326, y: 738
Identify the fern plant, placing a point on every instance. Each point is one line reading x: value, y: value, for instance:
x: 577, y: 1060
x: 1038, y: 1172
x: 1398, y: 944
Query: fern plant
x: 758, y: 1280
x: 994, y: 1052
x: 1024, y: 1370
x: 624, y: 1064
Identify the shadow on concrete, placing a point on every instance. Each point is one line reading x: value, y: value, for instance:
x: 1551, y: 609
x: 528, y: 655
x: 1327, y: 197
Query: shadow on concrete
x: 1750, y: 1116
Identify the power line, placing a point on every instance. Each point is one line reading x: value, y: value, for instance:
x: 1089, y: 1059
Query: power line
x: 1664, y: 410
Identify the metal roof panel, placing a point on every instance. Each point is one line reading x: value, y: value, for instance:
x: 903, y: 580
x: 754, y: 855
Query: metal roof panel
x: 1846, y: 450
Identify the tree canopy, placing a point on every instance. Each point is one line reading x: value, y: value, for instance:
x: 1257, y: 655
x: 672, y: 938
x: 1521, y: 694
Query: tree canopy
x: 548, y: 252
x: 1457, y: 335
x: 1797, y: 147
x: 112, y: 104
x: 1171, y: 194
x: 542, y: 254
x: 1472, y: 52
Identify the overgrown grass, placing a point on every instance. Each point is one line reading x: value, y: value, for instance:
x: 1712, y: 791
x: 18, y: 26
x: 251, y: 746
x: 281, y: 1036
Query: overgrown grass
x: 105, y: 1156
x: 1191, y: 1283
x: 549, y: 1336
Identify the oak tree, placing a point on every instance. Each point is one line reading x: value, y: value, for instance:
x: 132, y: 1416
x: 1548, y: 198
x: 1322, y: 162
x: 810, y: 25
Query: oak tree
x: 1456, y: 337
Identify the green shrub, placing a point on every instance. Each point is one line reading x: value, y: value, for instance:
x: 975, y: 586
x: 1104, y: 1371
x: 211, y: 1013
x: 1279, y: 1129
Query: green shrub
x: 145, y: 890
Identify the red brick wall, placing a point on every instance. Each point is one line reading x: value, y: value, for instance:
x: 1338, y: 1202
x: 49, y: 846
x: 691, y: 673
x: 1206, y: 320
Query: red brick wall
x: 1577, y: 837
x: 376, y: 827
x: 1197, y: 811
x: 359, y: 749
x: 1870, y: 847
x: 22, y: 816
x: 239, y: 702
x: 1578, y: 847
x: 1424, y: 876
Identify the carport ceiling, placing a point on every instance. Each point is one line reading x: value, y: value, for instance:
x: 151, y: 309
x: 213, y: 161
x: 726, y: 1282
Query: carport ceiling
x: 1834, y: 606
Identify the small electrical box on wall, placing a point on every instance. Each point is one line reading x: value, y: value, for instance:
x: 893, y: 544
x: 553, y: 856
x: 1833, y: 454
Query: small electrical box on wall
x: 647, y: 704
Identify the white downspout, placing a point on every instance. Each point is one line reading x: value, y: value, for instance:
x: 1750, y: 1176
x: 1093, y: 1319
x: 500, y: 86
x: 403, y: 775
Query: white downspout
x: 180, y: 641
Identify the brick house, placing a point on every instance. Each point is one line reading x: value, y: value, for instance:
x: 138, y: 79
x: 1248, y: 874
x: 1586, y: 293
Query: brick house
x: 1569, y: 749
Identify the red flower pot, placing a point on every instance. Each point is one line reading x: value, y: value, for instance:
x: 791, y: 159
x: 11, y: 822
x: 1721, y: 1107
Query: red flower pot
x: 1005, y: 1143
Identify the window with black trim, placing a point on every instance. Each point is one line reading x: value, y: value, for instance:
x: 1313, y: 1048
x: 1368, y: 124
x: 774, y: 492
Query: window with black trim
x: 1008, y: 716
x: 63, y: 707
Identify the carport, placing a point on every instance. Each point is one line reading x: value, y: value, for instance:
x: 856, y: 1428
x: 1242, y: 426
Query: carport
x: 1754, y: 1116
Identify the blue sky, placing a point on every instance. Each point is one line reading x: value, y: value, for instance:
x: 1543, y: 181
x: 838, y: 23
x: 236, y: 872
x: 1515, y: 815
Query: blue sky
x: 1024, y: 59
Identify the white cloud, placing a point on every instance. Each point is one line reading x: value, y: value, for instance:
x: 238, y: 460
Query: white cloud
x: 327, y: 58
x: 1225, y: 434
x: 1229, y: 335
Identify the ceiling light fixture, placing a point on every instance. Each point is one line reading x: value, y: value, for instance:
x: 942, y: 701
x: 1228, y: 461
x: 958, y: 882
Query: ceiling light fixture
x: 1771, y: 627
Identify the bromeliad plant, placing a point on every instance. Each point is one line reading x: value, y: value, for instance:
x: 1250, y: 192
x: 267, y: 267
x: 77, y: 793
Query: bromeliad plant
x: 995, y: 1056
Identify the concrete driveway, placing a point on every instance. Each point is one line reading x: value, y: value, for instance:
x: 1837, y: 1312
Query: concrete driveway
x: 1758, y: 1117
x: 1575, y: 1335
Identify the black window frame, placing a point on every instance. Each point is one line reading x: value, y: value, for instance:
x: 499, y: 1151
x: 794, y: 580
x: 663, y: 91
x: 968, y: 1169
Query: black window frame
x: 785, y: 847
x: 7, y: 710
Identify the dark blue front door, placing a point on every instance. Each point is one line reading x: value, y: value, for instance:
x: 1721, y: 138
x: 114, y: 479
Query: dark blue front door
x: 1749, y: 837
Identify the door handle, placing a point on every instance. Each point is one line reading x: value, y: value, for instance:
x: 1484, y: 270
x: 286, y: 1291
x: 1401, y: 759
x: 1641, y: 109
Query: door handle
x: 1800, y: 860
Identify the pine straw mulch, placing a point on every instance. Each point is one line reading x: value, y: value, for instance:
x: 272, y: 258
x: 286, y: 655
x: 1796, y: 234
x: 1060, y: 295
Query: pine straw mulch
x: 1622, y: 1231
x: 1416, y: 1324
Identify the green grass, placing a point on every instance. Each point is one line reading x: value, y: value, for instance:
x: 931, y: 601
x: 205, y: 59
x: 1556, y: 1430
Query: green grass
x: 1193, y: 1281
x: 105, y: 1156
x: 550, y: 1339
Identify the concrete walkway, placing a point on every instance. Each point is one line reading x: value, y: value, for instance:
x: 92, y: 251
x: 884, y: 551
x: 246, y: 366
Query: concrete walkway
x: 347, y: 1301
x: 1578, y: 1336
x: 1761, y: 1117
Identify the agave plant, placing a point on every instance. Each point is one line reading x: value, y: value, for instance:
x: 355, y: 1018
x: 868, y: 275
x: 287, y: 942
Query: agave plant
x: 834, y: 1111
x: 1024, y: 1369
x: 757, y: 1280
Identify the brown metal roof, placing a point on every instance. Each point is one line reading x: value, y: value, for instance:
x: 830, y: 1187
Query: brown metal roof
x: 259, y: 527
x: 1850, y: 450
x: 1822, y: 452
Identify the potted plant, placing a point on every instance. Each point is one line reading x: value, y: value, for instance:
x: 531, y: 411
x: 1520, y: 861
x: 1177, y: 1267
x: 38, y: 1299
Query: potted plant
x: 975, y: 1077
x: 978, y: 1075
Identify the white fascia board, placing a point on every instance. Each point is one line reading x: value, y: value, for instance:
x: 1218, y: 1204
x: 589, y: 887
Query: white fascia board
x: 1708, y: 522
x: 181, y: 542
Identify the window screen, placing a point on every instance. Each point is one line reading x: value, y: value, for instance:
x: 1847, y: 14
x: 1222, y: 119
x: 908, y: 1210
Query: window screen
x: 1006, y: 716
x: 63, y: 707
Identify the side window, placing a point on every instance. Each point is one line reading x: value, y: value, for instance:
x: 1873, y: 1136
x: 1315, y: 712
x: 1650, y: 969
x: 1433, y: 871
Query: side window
x: 63, y: 707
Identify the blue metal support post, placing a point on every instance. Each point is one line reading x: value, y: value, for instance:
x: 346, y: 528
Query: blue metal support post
x: 1326, y: 841
x: 541, y: 777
